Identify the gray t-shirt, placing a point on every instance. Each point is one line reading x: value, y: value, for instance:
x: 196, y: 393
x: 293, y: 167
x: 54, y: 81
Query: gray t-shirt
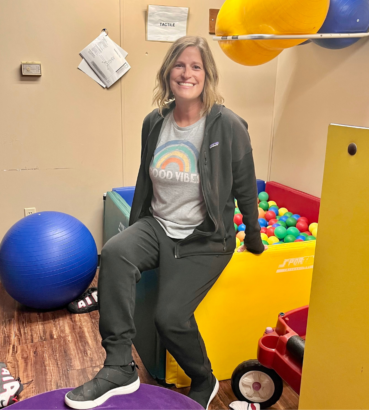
x: 177, y: 203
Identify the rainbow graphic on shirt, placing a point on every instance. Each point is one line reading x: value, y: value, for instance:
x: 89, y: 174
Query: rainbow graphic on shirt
x: 182, y: 153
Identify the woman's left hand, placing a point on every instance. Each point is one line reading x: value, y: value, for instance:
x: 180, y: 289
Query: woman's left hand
x: 243, y: 248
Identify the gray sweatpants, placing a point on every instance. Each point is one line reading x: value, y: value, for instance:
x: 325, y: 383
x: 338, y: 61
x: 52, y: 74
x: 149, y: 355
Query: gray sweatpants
x: 183, y: 283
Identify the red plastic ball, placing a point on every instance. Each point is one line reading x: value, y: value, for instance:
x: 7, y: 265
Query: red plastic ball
x: 270, y: 215
x: 270, y: 232
x: 303, y: 218
x: 299, y: 240
x: 263, y: 230
x: 308, y: 233
x: 302, y: 226
x: 273, y: 221
x: 237, y: 219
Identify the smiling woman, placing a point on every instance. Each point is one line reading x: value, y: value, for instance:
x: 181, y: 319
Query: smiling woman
x: 196, y: 158
x: 189, y: 56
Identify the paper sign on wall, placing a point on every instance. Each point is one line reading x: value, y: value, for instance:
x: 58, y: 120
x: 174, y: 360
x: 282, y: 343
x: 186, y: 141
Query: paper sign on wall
x: 165, y: 23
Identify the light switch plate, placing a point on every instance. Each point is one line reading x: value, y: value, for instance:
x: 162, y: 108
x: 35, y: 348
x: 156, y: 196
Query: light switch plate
x: 31, y: 68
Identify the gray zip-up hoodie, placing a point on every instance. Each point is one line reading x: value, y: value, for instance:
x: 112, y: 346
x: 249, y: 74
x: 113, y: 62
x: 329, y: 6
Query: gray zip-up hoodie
x: 227, y: 172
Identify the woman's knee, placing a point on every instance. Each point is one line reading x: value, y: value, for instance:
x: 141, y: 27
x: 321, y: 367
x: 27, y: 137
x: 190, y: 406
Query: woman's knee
x: 114, y: 247
x: 167, y: 321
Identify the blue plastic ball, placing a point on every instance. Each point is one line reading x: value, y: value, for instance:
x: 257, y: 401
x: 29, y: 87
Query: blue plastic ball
x: 296, y: 216
x: 47, y: 260
x: 263, y: 222
x: 283, y: 218
x: 275, y: 225
x: 274, y: 209
x: 241, y: 227
x: 301, y: 237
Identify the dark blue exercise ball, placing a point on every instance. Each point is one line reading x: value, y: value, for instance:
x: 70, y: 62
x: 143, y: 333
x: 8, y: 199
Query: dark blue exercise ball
x: 344, y: 16
x: 47, y: 260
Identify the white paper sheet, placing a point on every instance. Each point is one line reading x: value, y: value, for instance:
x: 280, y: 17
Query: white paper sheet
x: 165, y: 23
x: 105, y: 59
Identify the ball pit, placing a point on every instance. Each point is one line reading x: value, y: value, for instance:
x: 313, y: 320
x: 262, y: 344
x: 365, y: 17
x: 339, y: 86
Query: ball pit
x: 278, y: 225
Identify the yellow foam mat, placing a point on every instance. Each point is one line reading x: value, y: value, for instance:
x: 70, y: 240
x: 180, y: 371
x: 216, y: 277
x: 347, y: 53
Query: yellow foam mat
x: 247, y: 298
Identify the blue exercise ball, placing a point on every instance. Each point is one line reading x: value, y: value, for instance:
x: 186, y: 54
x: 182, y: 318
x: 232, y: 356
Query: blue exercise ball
x: 47, y: 260
x: 344, y: 16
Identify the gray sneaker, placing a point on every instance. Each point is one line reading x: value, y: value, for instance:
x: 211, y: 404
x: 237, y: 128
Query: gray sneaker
x: 110, y: 381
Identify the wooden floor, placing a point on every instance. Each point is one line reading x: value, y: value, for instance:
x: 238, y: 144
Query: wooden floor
x: 57, y: 349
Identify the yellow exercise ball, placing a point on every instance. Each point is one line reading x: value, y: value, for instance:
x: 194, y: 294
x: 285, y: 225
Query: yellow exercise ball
x: 240, y: 17
x: 284, y: 17
x: 231, y: 22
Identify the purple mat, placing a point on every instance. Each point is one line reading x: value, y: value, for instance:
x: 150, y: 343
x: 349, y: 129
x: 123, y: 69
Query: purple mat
x: 147, y: 397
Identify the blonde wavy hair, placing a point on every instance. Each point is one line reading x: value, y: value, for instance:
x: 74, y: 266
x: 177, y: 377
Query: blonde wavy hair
x: 209, y: 96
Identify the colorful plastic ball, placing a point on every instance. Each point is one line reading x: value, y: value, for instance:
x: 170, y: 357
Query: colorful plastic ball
x: 264, y: 205
x: 303, y: 218
x: 271, y: 203
x: 302, y: 226
x: 277, y: 218
x: 312, y: 226
x: 310, y: 238
x: 307, y: 233
x: 276, y: 225
x: 282, y: 211
x: 280, y: 232
x: 264, y: 236
x: 289, y: 238
x: 237, y: 219
x: 291, y: 221
x: 283, y: 218
x: 242, y: 227
x: 282, y: 223
x: 274, y: 209
x: 302, y: 237
x: 237, y: 211
x: 299, y: 240
x: 272, y: 240
x: 293, y: 231
x: 269, y: 215
x: 288, y: 214
x: 304, y: 234
x: 241, y: 235
x: 263, y: 230
x: 296, y: 216
x: 263, y: 196
x: 238, y: 242
x: 315, y: 232
x: 271, y: 232
x: 261, y: 212
x: 272, y: 222
x: 262, y: 222
x: 265, y: 242
x: 235, y: 227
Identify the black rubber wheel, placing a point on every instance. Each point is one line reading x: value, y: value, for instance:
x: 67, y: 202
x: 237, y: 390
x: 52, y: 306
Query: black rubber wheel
x: 255, y: 383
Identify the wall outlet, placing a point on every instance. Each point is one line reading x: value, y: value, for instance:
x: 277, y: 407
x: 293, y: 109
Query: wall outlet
x: 29, y: 211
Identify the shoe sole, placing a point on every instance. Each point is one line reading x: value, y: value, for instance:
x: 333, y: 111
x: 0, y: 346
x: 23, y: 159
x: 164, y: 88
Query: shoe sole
x: 213, y: 394
x: 90, y: 404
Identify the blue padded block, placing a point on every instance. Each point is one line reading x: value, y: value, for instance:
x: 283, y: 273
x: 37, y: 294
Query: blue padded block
x: 126, y: 193
x: 261, y: 185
